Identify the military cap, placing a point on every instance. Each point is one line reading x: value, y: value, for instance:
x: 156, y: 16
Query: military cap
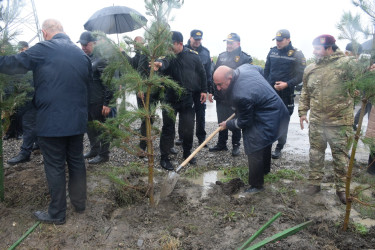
x: 281, y: 34
x: 233, y: 37
x: 349, y: 47
x: 325, y: 40
x: 177, y: 37
x: 196, y: 34
x: 86, y: 37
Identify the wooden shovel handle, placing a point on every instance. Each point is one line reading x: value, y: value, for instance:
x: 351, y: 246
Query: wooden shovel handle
x: 186, y: 161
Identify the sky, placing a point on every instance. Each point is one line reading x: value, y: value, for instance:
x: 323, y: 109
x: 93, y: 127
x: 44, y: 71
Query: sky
x: 256, y: 22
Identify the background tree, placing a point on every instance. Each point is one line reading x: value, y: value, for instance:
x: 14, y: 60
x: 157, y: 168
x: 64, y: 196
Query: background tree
x: 12, y: 88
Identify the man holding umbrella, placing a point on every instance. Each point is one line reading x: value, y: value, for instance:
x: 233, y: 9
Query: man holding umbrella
x: 99, y: 98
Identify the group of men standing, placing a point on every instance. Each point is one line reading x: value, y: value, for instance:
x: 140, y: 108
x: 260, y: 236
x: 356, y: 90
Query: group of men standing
x: 69, y: 92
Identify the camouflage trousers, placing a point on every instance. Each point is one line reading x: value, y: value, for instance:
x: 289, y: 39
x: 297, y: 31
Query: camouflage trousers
x: 338, y: 139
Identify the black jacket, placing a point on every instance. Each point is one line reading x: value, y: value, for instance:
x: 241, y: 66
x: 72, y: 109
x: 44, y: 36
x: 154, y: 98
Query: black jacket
x: 187, y: 70
x: 285, y: 65
x: 233, y: 60
x: 260, y: 112
x: 61, y: 73
x: 99, y: 93
x: 204, y: 55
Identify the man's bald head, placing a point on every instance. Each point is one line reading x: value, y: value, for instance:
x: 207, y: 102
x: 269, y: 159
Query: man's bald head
x: 51, y: 27
x: 222, y: 77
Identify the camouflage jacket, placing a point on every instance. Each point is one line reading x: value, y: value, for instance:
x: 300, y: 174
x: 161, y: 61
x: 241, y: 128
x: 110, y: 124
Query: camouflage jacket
x: 323, y: 92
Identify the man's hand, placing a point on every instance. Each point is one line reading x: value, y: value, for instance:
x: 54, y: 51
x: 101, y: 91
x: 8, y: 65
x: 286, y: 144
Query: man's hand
x: 223, y: 125
x: 203, y: 97
x: 372, y: 67
x: 210, y: 97
x: 279, y: 85
x: 105, y: 111
x: 141, y: 95
x: 157, y: 65
x: 301, y: 119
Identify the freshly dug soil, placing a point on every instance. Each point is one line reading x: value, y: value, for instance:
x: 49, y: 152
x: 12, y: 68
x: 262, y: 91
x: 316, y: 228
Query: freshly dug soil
x: 121, y: 217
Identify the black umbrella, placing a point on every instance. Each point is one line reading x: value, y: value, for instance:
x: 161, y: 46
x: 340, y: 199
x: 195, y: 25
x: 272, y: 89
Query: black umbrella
x: 115, y: 20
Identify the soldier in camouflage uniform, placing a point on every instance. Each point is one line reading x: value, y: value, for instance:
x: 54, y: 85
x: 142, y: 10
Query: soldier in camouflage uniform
x: 331, y: 113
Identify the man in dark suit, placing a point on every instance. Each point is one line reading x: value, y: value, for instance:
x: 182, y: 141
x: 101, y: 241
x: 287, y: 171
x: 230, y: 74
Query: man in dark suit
x: 62, y: 73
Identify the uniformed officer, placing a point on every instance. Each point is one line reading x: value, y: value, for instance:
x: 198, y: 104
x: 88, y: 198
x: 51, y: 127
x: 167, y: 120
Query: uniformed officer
x: 233, y: 58
x: 195, y: 43
x: 284, y: 70
x: 187, y: 70
x: 99, y: 97
x: 331, y: 113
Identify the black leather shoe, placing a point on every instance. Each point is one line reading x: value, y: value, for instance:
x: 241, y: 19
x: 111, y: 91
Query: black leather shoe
x: 19, y: 137
x: 342, y: 196
x: 7, y: 137
x: 90, y: 154
x: 254, y: 190
x: 98, y: 160
x: 166, y: 164
x: 218, y: 148
x: 178, y: 142
x: 46, y: 218
x: 276, y: 154
x: 192, y: 161
x: 236, y: 151
x: 20, y: 158
x: 173, y: 151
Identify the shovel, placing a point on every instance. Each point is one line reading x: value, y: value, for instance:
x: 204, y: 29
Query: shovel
x: 171, y: 180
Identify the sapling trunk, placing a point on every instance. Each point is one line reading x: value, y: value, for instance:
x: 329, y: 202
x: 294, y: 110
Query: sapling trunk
x: 2, y: 186
x: 351, y: 164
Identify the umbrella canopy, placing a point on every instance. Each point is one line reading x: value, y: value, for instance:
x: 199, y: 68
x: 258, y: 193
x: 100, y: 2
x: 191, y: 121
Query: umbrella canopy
x: 115, y: 20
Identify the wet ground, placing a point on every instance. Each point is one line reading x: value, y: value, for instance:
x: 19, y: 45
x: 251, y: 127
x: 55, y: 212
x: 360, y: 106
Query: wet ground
x: 198, y: 214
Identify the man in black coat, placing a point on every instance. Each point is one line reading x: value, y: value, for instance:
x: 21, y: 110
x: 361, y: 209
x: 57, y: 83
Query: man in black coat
x: 233, y: 58
x: 62, y: 73
x: 195, y: 43
x: 284, y: 70
x: 187, y: 70
x: 99, y: 97
x: 260, y: 114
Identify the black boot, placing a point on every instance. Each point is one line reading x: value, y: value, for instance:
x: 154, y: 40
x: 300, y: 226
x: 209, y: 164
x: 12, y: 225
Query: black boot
x: 90, y: 154
x: 371, y: 165
x: 236, y: 150
x: 99, y: 159
x: 192, y: 161
x: 218, y: 147
x: 166, y: 163
x: 20, y: 158
x: 46, y: 218
x: 277, y: 153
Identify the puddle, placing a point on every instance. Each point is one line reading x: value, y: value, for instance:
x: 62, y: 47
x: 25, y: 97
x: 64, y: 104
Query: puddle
x: 206, y: 180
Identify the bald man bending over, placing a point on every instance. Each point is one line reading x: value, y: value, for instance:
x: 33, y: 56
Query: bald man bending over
x: 260, y: 113
x: 62, y: 73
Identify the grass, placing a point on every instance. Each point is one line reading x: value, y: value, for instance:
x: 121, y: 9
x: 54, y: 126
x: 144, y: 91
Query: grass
x: 287, y: 174
x: 361, y: 229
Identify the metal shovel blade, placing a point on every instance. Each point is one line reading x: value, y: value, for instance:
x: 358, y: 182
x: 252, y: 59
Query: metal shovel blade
x: 172, y: 178
x: 169, y: 184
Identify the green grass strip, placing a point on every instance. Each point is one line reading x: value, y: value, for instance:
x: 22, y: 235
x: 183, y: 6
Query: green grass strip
x: 24, y: 236
x: 280, y: 236
x: 254, y: 236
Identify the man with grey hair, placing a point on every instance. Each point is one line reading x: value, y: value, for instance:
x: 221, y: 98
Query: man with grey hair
x: 62, y: 73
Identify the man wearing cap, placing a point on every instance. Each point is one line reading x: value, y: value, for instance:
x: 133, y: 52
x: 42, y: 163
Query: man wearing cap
x: 61, y: 73
x: 99, y: 98
x: 331, y: 113
x: 233, y: 57
x: 187, y: 70
x: 284, y: 70
x: 195, y: 43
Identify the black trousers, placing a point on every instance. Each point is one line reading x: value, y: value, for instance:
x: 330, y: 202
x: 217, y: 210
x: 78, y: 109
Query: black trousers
x: 29, y: 131
x: 56, y: 151
x: 98, y: 145
x: 223, y: 112
x: 259, y: 165
x: 168, y: 131
x: 200, y: 118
